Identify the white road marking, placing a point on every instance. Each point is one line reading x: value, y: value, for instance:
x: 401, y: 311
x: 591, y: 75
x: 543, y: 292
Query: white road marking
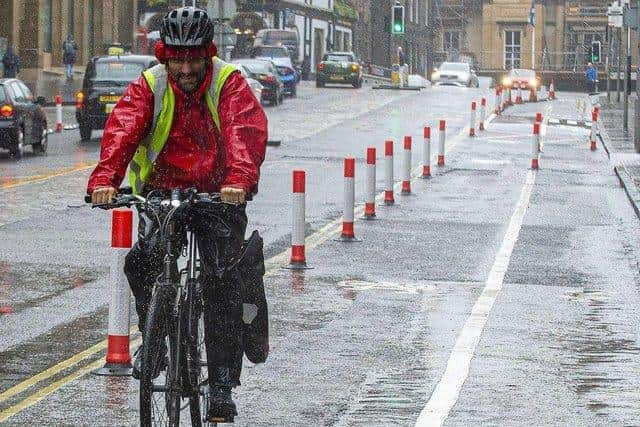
x: 448, y: 389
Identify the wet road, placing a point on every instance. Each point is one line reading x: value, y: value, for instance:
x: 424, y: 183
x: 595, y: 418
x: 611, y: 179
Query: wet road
x: 491, y: 295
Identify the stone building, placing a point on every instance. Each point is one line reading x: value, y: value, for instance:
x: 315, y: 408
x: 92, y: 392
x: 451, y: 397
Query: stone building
x: 37, y: 28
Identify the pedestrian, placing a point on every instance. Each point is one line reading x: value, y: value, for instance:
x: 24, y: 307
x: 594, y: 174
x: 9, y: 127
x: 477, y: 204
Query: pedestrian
x: 69, y: 55
x: 592, y: 78
x: 215, y: 142
x: 402, y: 62
x: 11, y: 63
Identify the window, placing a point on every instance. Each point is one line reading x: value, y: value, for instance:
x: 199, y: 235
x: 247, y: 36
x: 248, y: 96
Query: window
x: 451, y: 41
x: 47, y: 24
x: 17, y: 92
x: 25, y: 90
x: 511, y: 49
x: 416, y: 10
x: 426, y: 14
x: 3, y: 97
x: 116, y: 72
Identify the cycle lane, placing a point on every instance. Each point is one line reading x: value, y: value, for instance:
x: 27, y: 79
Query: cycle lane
x: 457, y: 279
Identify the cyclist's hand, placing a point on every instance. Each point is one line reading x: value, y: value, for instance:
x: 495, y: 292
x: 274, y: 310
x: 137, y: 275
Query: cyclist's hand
x: 232, y: 195
x: 103, y: 195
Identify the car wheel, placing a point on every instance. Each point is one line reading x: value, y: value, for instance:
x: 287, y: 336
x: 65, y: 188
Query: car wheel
x: 319, y: 83
x: 40, y: 147
x: 357, y: 84
x: 17, y: 150
x: 85, y: 132
x: 294, y: 92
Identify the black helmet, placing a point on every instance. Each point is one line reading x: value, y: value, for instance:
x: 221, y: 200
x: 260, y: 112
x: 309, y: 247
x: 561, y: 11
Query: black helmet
x: 186, y: 27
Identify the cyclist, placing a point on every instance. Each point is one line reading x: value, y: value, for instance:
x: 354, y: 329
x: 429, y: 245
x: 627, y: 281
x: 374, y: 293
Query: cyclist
x: 191, y: 121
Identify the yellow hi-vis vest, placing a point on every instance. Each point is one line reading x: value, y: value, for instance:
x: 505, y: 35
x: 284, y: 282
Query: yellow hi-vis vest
x: 164, y: 104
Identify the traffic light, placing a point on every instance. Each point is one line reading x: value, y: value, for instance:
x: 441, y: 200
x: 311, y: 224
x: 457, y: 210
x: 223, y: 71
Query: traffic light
x: 595, y: 51
x: 397, y: 20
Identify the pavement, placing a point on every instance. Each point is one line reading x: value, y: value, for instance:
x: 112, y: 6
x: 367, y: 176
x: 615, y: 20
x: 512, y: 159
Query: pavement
x: 619, y: 146
x: 492, y: 295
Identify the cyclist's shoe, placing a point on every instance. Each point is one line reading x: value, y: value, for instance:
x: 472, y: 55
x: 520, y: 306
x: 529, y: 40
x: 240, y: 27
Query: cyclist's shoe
x: 222, y: 408
x: 136, y: 372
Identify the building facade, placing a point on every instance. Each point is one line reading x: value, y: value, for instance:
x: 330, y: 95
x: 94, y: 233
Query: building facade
x: 37, y: 28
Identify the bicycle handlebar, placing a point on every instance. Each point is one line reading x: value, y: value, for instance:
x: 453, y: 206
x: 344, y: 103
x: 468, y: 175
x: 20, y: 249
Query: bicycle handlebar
x: 124, y: 197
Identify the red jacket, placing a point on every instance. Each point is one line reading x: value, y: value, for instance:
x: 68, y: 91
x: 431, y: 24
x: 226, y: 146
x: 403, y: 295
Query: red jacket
x: 196, y: 153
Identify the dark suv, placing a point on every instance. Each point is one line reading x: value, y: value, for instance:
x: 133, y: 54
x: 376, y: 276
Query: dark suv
x: 105, y: 80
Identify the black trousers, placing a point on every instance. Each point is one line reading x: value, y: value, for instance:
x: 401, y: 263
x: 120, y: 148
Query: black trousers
x: 218, y: 246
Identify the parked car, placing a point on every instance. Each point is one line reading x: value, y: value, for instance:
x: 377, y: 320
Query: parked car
x: 255, y: 85
x: 523, y: 78
x: 266, y: 73
x: 455, y: 74
x: 339, y: 67
x: 105, y: 79
x: 274, y: 37
x: 22, y: 119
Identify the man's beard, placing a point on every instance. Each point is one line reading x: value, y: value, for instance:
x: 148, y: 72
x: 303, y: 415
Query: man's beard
x: 189, y: 82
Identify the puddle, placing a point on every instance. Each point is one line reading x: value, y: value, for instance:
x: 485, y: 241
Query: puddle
x: 361, y: 285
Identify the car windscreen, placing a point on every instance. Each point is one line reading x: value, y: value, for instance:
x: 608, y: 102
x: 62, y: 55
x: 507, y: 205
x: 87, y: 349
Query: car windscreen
x: 450, y: 66
x: 527, y: 74
x: 3, y: 97
x: 257, y: 67
x: 116, y: 72
x: 271, y: 52
x: 284, y: 37
x: 338, y: 58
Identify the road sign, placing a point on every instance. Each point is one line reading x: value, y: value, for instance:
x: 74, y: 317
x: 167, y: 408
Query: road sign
x: 630, y: 17
x: 614, y: 15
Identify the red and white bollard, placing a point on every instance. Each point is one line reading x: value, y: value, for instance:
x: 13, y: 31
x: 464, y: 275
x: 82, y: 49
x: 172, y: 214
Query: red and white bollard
x: 535, y: 146
x: 594, y: 129
x: 118, y: 360
x: 59, y: 125
x: 426, y: 153
x: 406, y: 167
x: 483, y: 112
x: 498, y: 107
x: 539, y: 117
x: 349, y: 199
x: 298, y: 256
x: 519, y: 97
x: 552, y: 91
x: 472, y: 121
x: 533, y: 94
x: 388, y: 167
x: 370, y: 195
x: 441, y: 140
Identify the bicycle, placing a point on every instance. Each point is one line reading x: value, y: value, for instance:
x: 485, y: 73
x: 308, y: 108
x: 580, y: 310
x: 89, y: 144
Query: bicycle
x: 175, y: 315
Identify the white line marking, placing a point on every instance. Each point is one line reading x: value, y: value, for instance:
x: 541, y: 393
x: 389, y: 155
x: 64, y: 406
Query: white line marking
x: 448, y: 389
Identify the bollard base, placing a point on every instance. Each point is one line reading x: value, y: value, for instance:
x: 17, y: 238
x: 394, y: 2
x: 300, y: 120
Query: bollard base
x: 347, y: 239
x: 370, y: 217
x: 114, y: 370
x: 388, y: 203
x: 297, y: 266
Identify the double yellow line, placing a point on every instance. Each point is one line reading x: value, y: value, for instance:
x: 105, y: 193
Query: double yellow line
x: 273, y: 265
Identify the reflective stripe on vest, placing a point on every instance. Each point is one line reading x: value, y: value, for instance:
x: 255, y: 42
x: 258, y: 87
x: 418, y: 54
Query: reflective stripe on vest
x: 164, y: 104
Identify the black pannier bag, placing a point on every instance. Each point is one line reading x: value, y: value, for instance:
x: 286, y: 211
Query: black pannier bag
x: 255, y: 315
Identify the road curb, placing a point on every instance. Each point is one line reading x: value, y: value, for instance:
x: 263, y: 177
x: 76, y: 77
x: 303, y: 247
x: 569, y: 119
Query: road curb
x: 624, y: 176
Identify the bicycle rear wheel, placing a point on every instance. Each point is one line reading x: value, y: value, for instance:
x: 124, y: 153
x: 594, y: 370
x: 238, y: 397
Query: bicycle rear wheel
x: 160, y: 391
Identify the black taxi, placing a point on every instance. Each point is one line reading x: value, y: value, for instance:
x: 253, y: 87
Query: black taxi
x: 105, y: 80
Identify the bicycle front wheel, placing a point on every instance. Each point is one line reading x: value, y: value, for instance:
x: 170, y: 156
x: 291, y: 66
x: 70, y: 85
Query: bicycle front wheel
x: 159, y: 391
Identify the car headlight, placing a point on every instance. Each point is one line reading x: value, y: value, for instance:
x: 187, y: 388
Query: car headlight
x: 507, y: 81
x: 435, y: 75
x: 355, y: 68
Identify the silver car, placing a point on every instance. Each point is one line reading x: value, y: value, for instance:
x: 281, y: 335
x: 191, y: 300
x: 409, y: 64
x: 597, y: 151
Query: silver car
x: 255, y: 85
x: 455, y: 74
